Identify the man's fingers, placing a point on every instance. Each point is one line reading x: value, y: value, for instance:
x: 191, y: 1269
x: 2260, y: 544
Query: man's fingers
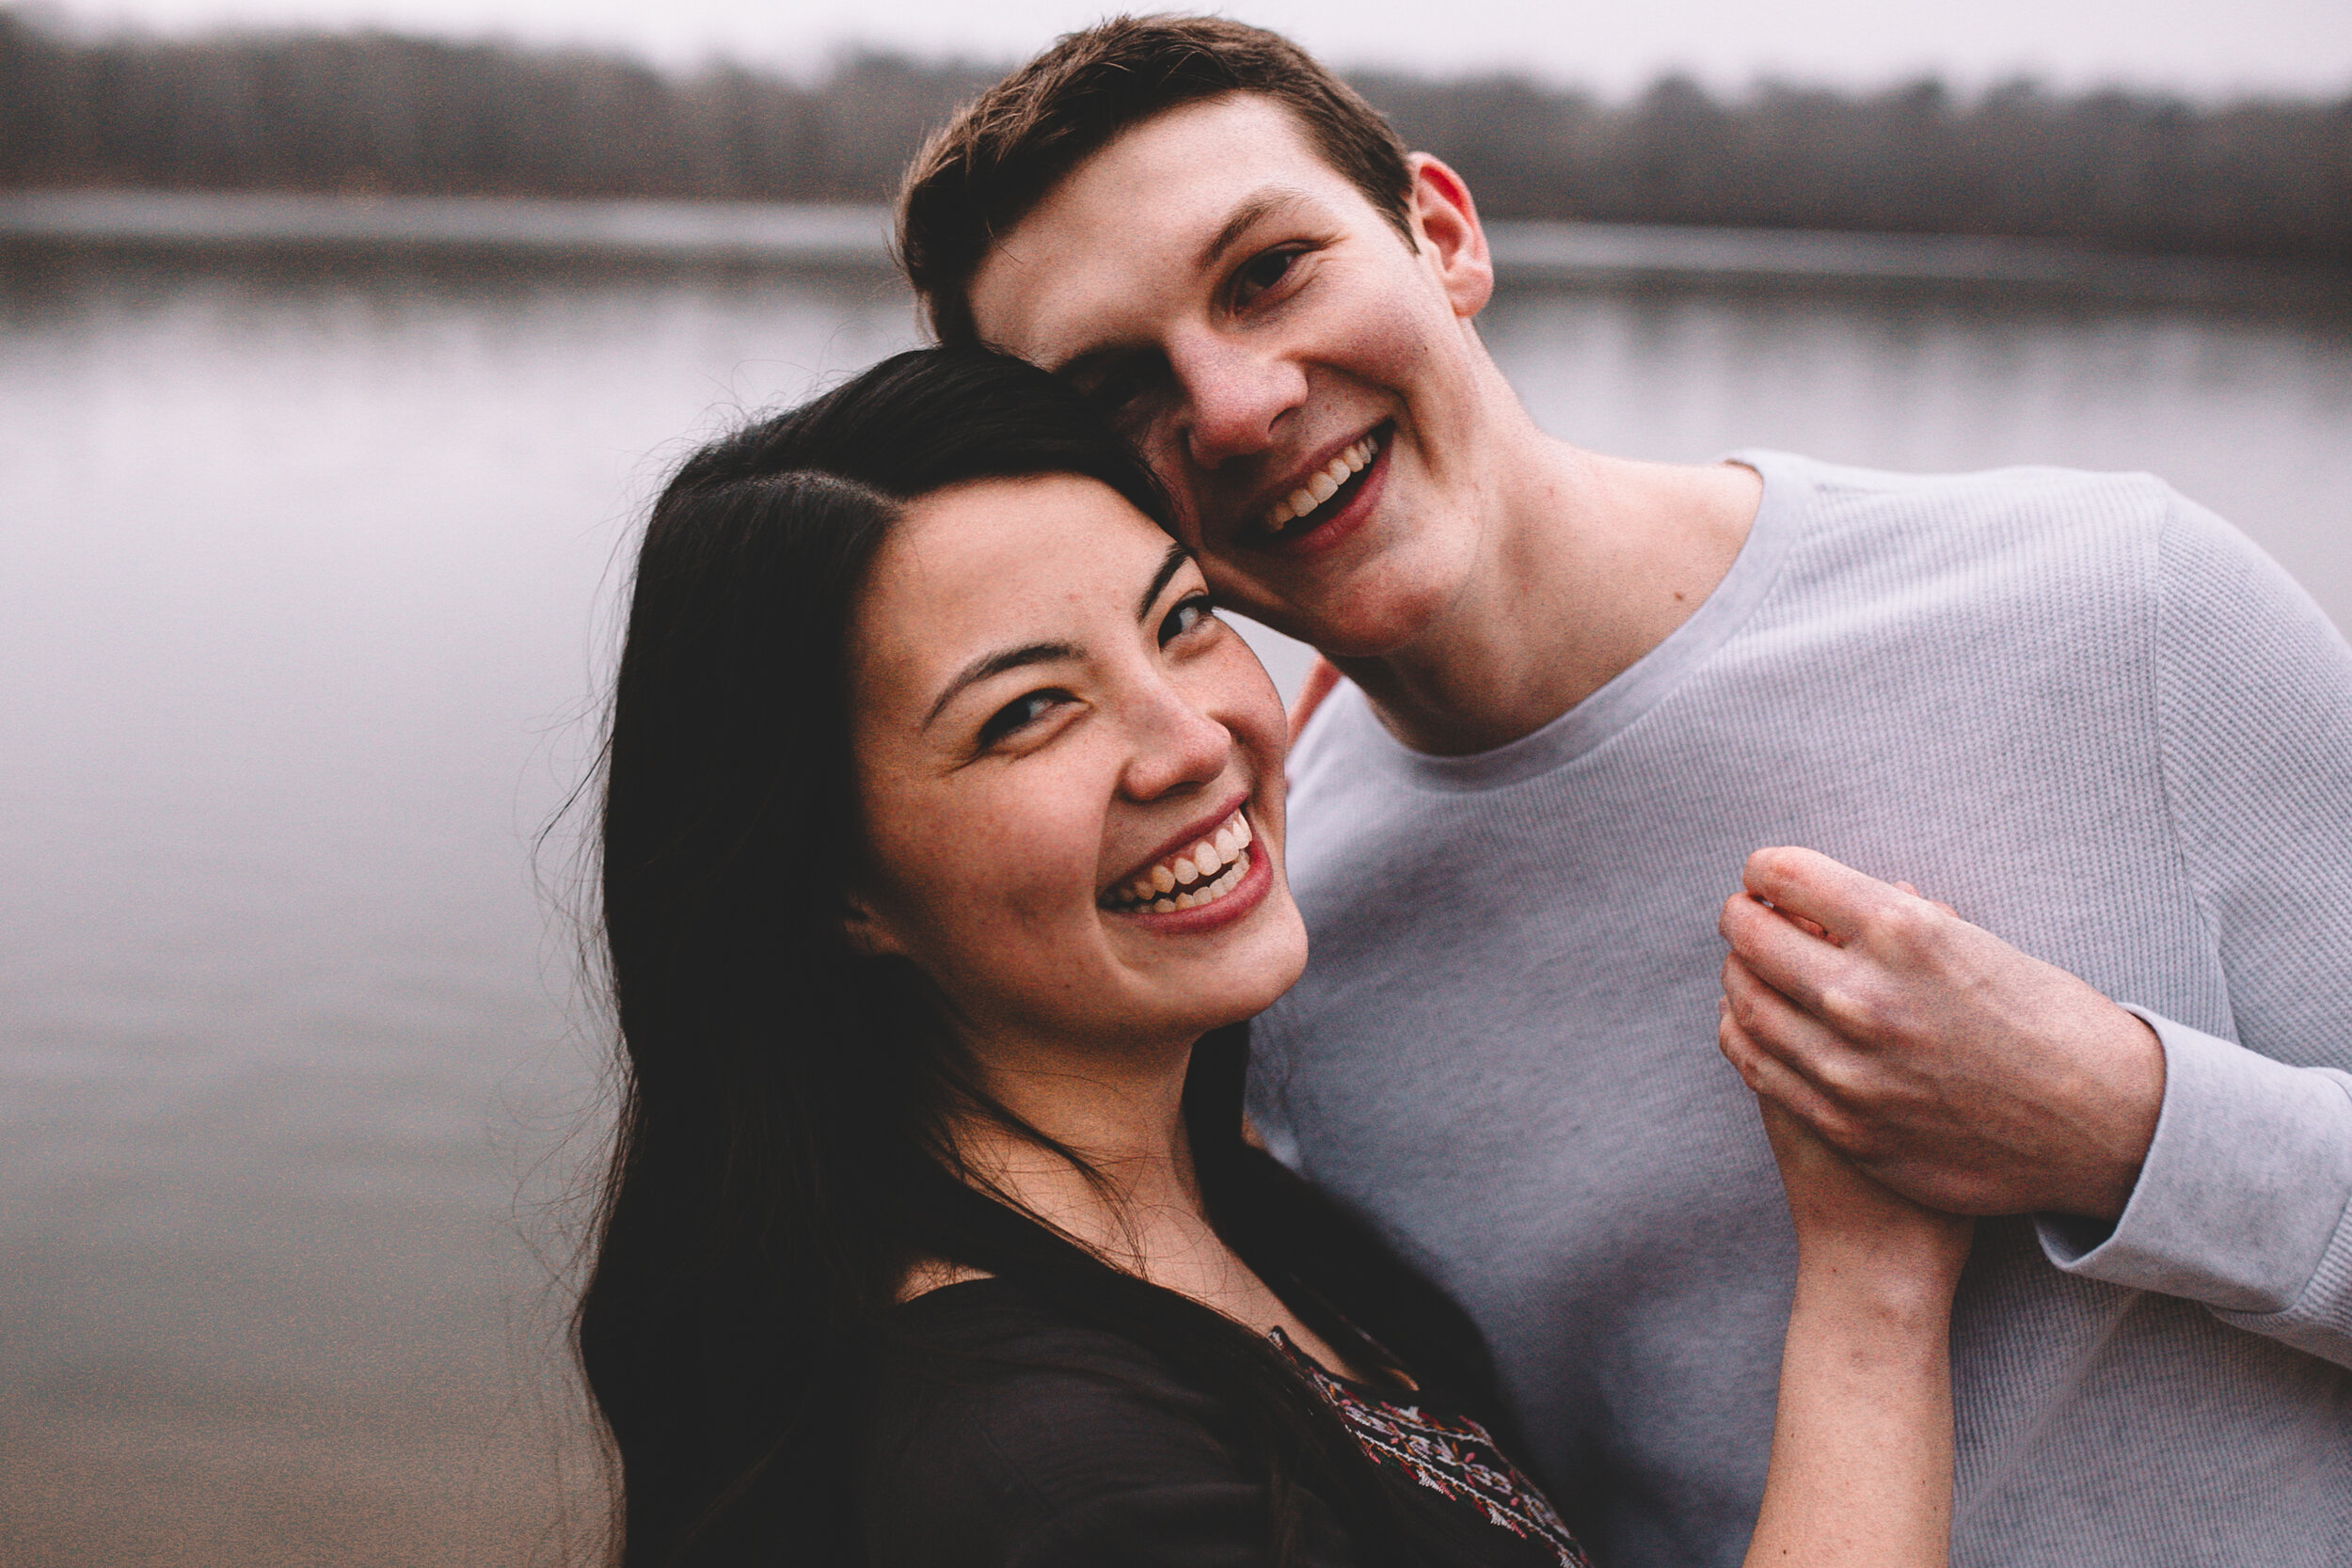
x: 1808, y: 884
x: 1784, y: 1028
x: 1937, y: 902
x: 1772, y: 1080
x: 1788, y: 958
x: 1889, y: 919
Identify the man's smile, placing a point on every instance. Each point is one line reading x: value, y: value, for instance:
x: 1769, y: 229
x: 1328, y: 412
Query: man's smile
x: 1325, y: 493
x: 1323, y: 505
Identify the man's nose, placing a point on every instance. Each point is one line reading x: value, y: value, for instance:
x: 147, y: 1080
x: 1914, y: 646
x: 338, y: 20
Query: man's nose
x: 1236, y: 395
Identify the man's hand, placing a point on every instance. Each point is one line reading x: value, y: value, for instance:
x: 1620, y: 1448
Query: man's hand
x: 1874, y: 1241
x: 1951, y: 1067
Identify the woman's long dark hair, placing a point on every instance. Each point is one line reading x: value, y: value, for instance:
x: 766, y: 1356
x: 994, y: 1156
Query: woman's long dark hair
x: 782, y: 1152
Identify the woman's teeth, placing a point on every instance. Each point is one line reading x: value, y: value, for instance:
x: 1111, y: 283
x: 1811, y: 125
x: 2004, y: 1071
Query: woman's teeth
x: 1190, y: 877
x: 1323, y: 486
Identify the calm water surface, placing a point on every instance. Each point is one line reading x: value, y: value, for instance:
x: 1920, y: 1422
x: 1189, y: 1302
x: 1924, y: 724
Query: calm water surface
x: 304, y: 580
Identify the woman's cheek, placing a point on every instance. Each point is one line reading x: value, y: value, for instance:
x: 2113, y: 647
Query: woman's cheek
x: 1039, y: 877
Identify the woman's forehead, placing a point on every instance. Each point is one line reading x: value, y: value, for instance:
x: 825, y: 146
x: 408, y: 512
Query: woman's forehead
x: 1030, y: 524
x: 1048, y: 556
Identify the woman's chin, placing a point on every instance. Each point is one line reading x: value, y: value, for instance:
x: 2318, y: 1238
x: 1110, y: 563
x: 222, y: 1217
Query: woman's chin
x: 1249, y: 977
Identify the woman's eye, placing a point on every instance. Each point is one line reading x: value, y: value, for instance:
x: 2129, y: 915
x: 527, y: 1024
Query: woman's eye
x: 1018, y: 715
x: 1187, y: 614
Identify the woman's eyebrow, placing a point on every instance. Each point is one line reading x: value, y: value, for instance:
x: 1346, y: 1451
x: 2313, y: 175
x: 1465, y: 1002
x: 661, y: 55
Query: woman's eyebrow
x: 997, y: 663
x: 1170, y: 564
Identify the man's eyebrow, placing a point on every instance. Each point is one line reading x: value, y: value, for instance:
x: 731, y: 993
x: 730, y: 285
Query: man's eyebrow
x: 997, y: 663
x: 1170, y: 564
x: 1256, y: 206
x: 1079, y: 365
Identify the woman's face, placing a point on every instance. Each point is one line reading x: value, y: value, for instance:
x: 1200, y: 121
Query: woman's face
x: 1049, y: 725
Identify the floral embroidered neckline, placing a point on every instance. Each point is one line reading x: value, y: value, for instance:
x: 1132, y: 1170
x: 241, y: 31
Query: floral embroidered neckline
x: 1452, y: 1455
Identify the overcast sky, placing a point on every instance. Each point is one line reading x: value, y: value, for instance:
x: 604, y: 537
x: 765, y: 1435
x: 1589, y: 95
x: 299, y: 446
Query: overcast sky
x: 2203, y: 46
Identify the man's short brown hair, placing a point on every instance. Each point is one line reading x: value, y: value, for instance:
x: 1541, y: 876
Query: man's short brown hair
x: 982, y: 173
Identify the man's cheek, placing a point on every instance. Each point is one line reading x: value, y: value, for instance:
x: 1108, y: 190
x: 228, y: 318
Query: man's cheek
x: 1186, y: 509
x: 1231, y: 584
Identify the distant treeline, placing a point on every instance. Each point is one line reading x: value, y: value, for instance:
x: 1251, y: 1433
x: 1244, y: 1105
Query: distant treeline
x: 374, y: 112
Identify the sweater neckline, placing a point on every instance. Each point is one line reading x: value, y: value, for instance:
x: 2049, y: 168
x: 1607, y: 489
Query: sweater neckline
x: 1634, y: 691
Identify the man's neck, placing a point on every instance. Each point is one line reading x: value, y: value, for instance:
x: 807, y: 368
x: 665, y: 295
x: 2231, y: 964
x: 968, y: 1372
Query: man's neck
x: 1590, y: 562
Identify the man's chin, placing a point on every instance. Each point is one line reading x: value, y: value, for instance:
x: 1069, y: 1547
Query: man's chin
x: 1345, y: 626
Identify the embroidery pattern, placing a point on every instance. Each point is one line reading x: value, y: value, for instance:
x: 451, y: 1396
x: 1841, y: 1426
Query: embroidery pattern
x: 1452, y: 1455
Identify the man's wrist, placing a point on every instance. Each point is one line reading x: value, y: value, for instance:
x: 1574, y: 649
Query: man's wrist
x: 2121, y: 1100
x: 2243, y: 1190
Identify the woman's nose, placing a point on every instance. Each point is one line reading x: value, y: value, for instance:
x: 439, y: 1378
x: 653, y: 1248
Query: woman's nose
x: 1176, y: 747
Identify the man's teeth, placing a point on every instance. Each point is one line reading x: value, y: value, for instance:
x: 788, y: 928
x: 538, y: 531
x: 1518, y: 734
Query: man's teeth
x: 1190, y: 877
x: 1323, y: 486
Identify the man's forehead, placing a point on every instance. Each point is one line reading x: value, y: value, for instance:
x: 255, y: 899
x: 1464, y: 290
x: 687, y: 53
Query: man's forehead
x: 1053, y: 294
x: 1153, y: 211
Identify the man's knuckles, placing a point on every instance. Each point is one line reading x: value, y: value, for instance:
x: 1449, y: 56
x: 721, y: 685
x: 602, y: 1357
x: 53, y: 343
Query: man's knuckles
x: 1742, y: 1054
x: 1905, y: 931
x: 1746, y: 1000
x: 1863, y: 1010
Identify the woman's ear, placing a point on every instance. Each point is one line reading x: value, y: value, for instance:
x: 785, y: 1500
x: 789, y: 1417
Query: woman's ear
x: 870, y: 934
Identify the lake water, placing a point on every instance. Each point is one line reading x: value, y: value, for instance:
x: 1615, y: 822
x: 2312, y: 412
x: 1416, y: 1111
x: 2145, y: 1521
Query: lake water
x: 304, y: 580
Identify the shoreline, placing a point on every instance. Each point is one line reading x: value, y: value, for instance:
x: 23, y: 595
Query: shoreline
x: 849, y: 238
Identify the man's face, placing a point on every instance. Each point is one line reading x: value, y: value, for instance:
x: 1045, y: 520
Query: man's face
x: 1306, y: 384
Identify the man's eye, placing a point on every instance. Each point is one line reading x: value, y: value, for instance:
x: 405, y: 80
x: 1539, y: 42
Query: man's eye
x: 1263, y: 272
x: 1188, y: 614
x: 1115, y: 392
x: 1018, y: 715
x: 1120, y: 383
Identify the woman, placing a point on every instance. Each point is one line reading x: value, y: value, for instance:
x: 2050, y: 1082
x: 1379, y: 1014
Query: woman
x: 941, y: 866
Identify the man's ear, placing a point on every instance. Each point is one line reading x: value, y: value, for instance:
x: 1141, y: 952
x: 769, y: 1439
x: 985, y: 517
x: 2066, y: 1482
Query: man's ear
x: 870, y: 934
x: 1446, y: 227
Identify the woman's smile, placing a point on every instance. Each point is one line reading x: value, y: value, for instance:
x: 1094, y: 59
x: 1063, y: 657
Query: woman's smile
x: 1203, y: 883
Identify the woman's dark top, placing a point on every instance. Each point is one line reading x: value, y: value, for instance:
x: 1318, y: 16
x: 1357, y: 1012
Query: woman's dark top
x: 1060, y: 1445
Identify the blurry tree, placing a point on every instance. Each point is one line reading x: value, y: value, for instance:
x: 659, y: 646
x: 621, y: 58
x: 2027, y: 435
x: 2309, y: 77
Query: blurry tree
x: 378, y: 112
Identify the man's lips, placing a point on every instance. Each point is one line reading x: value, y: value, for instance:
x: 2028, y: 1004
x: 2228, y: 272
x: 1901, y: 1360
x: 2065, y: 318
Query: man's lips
x: 1337, y: 516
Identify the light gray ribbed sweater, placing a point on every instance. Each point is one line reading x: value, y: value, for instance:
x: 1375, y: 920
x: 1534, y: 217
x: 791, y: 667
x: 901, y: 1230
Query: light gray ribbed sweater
x: 2076, y: 707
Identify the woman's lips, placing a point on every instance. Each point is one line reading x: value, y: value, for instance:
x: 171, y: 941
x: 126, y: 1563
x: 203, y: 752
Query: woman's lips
x: 1197, y: 867
x: 1245, y: 895
x: 1201, y: 834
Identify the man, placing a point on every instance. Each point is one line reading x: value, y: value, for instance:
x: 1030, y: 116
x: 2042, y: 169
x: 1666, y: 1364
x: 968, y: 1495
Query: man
x: 1581, y: 691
